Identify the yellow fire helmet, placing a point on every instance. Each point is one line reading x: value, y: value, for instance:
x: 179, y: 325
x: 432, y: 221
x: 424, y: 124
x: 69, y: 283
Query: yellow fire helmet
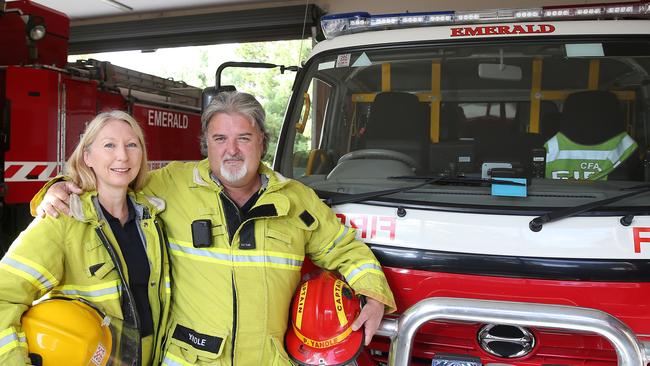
x: 67, y: 332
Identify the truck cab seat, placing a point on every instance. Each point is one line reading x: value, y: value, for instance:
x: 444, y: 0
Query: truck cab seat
x: 549, y: 119
x: 589, y: 120
x: 452, y: 117
x: 398, y: 121
x: 591, y: 117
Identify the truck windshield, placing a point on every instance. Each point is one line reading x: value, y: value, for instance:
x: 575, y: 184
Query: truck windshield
x: 569, y: 117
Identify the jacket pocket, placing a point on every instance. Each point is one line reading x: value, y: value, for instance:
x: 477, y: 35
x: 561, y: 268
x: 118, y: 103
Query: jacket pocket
x: 218, y: 230
x: 101, y: 269
x: 278, y: 236
x: 193, y: 347
x: 288, y: 233
x: 219, y: 236
x: 97, y: 261
x: 92, y: 276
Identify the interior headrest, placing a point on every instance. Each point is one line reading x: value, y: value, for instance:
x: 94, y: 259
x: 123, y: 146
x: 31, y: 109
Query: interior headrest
x: 395, y: 115
x: 592, y: 117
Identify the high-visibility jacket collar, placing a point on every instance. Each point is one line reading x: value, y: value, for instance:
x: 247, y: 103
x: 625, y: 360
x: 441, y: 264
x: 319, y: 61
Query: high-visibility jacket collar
x: 84, y: 207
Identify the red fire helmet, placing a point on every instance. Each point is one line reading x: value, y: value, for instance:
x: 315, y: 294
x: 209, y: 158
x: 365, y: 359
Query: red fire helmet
x: 320, y: 332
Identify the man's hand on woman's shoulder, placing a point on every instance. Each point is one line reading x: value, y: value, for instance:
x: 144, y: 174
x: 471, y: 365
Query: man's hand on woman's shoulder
x: 57, y: 199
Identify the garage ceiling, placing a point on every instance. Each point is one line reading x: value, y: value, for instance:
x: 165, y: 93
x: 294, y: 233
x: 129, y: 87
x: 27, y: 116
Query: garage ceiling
x: 85, y: 9
x: 121, y: 25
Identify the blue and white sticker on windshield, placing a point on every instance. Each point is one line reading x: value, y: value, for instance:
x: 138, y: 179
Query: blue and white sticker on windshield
x: 362, y: 61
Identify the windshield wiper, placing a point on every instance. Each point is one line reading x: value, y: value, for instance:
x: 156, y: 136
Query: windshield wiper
x: 462, y: 180
x: 537, y: 223
x: 342, y: 198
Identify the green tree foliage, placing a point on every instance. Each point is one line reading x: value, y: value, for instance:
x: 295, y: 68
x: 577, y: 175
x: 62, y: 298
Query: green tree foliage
x: 270, y: 87
x: 201, y: 74
x: 197, y: 65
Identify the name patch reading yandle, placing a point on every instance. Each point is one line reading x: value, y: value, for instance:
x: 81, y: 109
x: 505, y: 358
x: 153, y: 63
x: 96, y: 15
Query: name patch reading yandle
x: 200, y: 341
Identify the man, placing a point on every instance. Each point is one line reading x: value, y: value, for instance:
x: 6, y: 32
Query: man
x: 238, y: 234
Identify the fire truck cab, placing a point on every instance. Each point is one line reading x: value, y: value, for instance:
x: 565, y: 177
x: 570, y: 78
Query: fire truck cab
x: 496, y: 163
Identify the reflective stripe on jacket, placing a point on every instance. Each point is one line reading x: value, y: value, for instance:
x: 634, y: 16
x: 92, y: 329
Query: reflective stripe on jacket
x: 566, y: 159
x: 227, y: 297
x: 65, y: 257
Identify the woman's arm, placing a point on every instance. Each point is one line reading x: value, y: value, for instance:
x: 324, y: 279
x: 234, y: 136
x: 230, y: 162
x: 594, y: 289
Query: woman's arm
x: 32, y: 267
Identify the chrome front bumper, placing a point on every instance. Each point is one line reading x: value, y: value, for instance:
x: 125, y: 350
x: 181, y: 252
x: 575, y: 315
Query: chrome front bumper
x: 630, y: 351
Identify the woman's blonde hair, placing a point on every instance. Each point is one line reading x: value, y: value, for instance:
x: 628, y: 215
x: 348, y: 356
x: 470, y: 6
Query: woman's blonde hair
x: 81, y: 174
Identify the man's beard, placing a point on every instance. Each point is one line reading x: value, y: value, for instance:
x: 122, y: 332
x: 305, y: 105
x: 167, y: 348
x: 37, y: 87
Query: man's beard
x: 232, y: 174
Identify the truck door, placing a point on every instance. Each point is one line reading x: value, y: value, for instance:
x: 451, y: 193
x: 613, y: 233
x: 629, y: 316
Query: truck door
x: 30, y: 158
x: 80, y: 107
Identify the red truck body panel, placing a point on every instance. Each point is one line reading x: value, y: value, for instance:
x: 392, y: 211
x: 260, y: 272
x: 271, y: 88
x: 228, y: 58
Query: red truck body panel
x: 52, y: 49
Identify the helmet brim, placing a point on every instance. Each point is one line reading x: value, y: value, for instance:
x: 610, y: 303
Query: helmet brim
x: 339, y: 354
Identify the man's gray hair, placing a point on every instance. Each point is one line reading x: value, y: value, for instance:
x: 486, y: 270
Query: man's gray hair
x: 234, y: 103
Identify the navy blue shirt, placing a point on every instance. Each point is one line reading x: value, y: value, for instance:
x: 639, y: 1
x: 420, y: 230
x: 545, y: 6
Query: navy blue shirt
x: 137, y: 263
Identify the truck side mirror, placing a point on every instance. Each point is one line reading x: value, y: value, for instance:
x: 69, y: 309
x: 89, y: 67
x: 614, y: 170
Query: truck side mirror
x: 212, y: 91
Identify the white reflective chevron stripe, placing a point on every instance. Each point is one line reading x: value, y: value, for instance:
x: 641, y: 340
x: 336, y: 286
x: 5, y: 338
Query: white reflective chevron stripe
x: 30, y: 171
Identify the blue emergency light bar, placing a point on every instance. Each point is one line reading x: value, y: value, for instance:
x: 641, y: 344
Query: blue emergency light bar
x: 345, y: 23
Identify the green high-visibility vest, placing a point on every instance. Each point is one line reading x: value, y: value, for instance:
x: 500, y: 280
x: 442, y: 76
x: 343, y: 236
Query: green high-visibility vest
x: 566, y: 159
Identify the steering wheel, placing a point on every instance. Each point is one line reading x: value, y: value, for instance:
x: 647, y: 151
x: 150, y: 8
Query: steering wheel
x: 381, y: 154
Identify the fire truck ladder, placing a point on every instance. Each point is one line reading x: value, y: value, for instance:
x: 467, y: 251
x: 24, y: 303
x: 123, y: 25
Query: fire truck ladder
x: 139, y: 86
x: 630, y: 351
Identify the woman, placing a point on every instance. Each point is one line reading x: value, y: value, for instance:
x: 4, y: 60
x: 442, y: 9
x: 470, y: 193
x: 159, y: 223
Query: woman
x: 110, y: 252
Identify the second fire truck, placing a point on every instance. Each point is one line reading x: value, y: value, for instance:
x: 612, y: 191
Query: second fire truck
x: 45, y: 103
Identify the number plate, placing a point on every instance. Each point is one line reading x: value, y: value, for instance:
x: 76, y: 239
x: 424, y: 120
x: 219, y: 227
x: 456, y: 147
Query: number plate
x: 455, y: 360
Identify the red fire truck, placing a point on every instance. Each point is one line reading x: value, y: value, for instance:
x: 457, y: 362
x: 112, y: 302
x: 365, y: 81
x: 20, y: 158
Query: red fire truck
x: 496, y: 163
x: 45, y: 103
x: 462, y: 145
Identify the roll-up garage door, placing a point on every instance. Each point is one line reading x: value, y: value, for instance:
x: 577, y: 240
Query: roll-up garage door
x: 269, y: 24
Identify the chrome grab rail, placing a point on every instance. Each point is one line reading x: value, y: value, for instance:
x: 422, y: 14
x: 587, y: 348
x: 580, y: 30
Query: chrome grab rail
x: 629, y: 350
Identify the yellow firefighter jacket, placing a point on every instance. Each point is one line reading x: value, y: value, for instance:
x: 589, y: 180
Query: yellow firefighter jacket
x: 231, y: 300
x: 68, y: 257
